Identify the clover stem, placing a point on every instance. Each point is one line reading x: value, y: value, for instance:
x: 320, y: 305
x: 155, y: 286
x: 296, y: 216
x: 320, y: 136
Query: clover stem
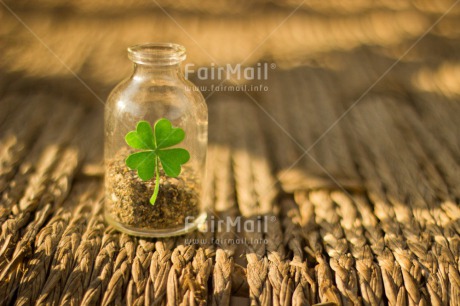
x: 157, y: 183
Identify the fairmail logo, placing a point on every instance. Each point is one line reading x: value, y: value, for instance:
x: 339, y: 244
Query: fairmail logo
x: 235, y: 225
x: 238, y: 226
x: 230, y: 72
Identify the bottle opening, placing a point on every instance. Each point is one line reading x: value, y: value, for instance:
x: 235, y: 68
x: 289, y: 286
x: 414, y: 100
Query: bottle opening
x: 158, y: 54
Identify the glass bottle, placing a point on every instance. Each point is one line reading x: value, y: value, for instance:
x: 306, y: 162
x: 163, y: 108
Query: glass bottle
x: 157, y: 90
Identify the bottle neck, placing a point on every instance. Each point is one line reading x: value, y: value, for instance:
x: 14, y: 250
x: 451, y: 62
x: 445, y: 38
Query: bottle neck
x: 142, y: 71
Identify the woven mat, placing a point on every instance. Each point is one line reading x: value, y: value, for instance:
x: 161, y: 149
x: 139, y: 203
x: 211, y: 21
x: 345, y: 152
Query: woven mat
x: 360, y: 211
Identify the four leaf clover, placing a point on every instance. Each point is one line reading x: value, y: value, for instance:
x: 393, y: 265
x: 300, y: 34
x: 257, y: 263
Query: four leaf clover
x: 154, y: 151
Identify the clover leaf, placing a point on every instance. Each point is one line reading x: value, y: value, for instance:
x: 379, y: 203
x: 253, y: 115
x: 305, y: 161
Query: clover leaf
x: 154, y: 145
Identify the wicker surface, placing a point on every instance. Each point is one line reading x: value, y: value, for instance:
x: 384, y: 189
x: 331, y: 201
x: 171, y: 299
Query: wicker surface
x: 360, y: 211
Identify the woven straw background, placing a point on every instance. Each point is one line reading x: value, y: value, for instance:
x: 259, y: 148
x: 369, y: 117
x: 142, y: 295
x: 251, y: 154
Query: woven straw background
x: 361, y: 211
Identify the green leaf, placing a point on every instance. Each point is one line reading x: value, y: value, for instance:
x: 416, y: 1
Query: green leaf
x: 166, y: 135
x: 142, y: 137
x: 154, y: 144
x: 172, y: 159
x: 144, y: 163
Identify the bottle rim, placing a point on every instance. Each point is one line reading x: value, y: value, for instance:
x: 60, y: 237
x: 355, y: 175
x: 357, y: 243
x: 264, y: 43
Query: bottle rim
x: 157, y: 54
